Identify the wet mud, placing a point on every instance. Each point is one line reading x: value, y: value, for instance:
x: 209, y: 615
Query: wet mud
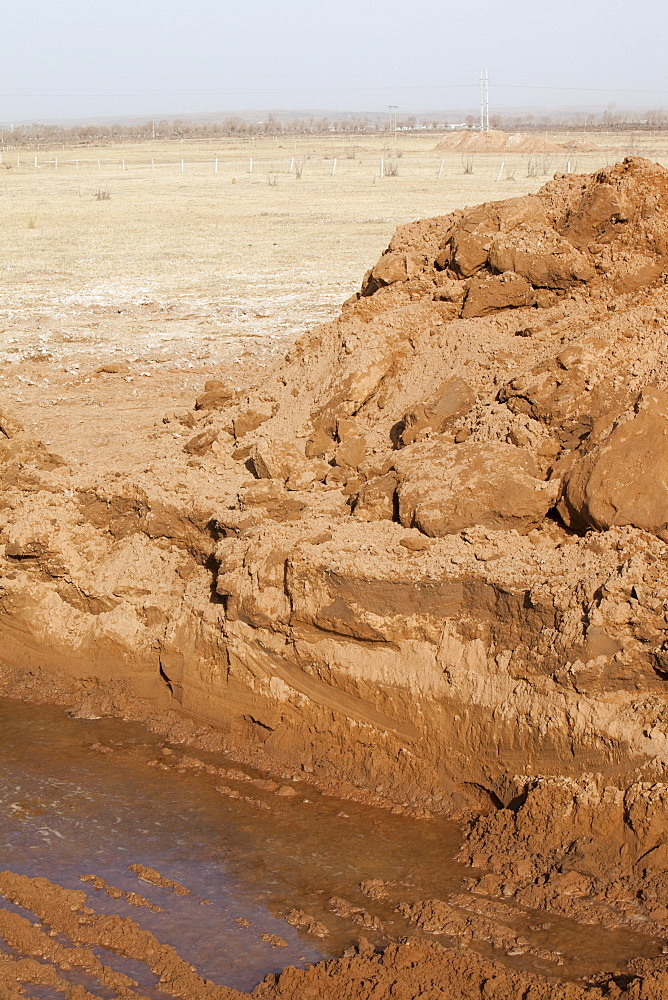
x: 136, y: 868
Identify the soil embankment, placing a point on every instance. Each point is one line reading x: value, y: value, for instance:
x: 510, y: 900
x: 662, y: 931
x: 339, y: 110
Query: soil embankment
x: 421, y: 560
x: 496, y: 140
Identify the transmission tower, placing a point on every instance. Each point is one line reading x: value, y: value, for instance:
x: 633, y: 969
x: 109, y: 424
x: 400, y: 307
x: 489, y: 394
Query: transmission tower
x: 484, y: 100
x: 393, y: 117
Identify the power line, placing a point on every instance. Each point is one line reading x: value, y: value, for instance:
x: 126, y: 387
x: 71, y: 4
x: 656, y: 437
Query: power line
x: 329, y: 90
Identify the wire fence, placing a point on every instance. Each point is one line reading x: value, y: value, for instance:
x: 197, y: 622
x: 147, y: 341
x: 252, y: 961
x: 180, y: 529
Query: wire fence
x: 433, y: 165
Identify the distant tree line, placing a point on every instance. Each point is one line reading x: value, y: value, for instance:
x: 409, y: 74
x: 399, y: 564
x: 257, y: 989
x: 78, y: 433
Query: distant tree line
x: 610, y: 118
x: 271, y: 125
x: 234, y: 126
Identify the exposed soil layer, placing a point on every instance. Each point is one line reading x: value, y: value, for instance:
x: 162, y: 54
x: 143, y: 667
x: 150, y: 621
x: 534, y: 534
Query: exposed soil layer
x: 421, y: 560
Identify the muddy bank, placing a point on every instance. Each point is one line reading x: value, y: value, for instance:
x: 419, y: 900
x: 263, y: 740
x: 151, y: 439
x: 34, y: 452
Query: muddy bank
x: 420, y: 562
x: 152, y: 869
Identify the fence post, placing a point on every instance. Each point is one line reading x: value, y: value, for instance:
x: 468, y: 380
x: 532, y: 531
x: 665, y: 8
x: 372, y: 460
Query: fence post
x: 382, y: 166
x: 35, y: 163
x: 181, y: 164
x: 98, y: 164
x: 250, y: 165
x: 152, y: 164
x: 498, y: 176
x: 440, y: 170
x: 292, y: 165
x: 123, y: 163
x: 334, y: 167
x: 215, y: 166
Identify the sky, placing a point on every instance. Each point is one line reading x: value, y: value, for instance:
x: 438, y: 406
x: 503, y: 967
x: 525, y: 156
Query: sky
x: 79, y: 59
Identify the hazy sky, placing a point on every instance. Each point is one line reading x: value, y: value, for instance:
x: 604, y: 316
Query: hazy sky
x: 81, y: 58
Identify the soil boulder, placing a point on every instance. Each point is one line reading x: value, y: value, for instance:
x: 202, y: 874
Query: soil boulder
x: 541, y: 256
x: 376, y: 500
x: 469, y: 252
x: 623, y: 479
x: 394, y: 267
x: 494, y: 292
x: 453, y: 399
x: 444, y: 489
x: 276, y: 459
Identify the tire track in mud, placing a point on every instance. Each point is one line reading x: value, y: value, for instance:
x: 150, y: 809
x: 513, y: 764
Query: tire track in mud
x: 57, y: 951
x: 65, y: 912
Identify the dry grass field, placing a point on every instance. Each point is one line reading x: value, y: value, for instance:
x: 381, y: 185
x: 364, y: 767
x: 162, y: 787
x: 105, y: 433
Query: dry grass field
x: 179, y: 260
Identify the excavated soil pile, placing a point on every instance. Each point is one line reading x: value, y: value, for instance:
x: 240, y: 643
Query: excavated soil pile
x: 496, y: 141
x: 424, y: 557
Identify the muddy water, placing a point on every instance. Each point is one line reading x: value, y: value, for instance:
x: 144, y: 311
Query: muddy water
x: 93, y: 797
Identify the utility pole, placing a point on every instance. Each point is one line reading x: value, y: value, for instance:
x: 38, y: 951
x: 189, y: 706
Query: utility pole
x: 393, y: 119
x: 484, y: 100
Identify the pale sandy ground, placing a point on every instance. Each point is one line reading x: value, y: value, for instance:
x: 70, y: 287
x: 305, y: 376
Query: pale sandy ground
x: 184, y: 272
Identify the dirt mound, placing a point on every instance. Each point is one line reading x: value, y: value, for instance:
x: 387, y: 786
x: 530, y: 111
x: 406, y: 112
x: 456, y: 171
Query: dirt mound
x: 497, y: 141
x: 423, y: 556
x: 413, y: 484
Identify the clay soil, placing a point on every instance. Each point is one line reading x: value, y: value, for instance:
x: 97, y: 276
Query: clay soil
x: 415, y: 559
